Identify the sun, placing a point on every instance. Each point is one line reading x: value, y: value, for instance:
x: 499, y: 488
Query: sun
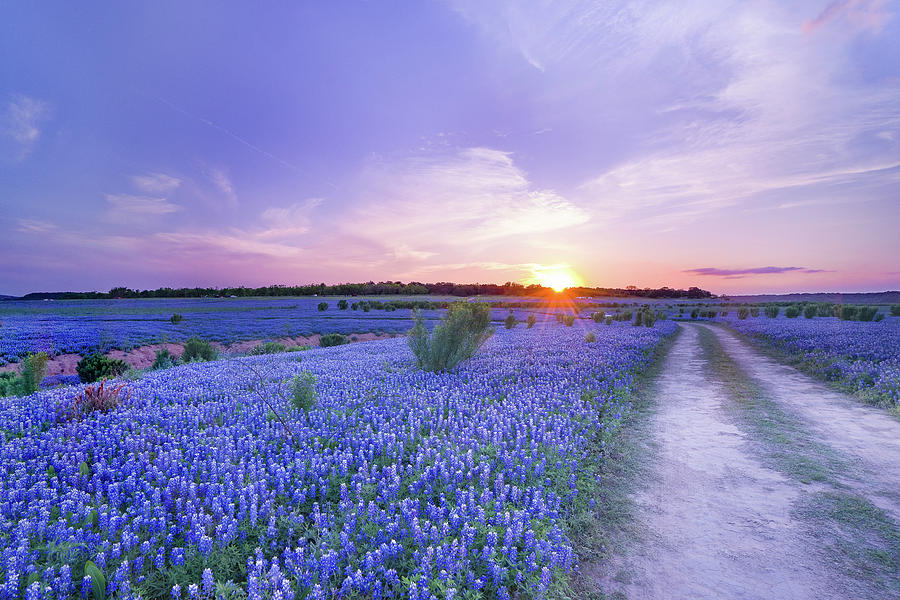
x: 558, y: 277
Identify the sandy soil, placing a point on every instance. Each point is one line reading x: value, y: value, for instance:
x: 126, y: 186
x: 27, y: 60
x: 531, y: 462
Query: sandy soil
x: 143, y: 356
x: 863, y: 432
x: 718, y: 523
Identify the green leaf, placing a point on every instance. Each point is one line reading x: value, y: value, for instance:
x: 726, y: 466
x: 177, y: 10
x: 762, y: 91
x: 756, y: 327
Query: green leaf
x: 97, y: 580
x: 84, y: 469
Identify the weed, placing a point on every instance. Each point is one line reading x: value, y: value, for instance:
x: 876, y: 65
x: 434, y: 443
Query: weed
x: 460, y: 334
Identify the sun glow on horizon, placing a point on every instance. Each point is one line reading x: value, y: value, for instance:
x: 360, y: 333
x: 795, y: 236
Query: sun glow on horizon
x: 557, y: 277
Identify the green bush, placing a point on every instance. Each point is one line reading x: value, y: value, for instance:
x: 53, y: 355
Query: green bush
x: 609, y: 320
x: 303, y: 392
x: 354, y: 306
x: 176, y: 318
x: 34, y: 367
x: 792, y: 312
x: 569, y: 320
x: 867, y: 313
x: 510, y: 321
x: 754, y: 312
x: 299, y: 348
x: 743, y: 313
x: 458, y: 336
x: 848, y: 313
x: 827, y: 309
x: 333, y: 339
x: 196, y: 349
x: 879, y: 317
x: 267, y: 348
x: 589, y: 337
x: 695, y: 313
x: 772, y: 311
x: 810, y: 311
x: 322, y: 306
x: 530, y: 321
x: 895, y: 310
x: 95, y: 367
x: 164, y: 360
x: 342, y: 304
x: 598, y: 316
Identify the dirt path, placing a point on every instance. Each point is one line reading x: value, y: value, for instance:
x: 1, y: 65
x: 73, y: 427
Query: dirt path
x: 864, y: 433
x: 719, y: 521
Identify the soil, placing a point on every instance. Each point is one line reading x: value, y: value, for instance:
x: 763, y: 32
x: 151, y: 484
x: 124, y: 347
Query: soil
x: 143, y: 356
x: 717, y: 520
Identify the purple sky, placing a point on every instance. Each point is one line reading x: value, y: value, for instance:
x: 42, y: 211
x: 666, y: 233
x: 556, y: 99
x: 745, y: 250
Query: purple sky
x: 741, y: 147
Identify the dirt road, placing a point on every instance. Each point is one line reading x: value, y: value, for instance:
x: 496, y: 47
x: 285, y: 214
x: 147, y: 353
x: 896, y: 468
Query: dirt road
x: 766, y: 484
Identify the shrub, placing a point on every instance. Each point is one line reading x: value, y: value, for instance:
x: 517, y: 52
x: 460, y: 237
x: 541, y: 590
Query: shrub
x: 322, y: 306
x: 164, y: 359
x: 609, y: 320
x: 827, y: 310
x: 772, y: 311
x: 810, y: 311
x: 196, y: 349
x: 530, y: 321
x: 598, y: 316
x: 754, y: 312
x: 354, y: 306
x: 34, y: 367
x: 743, y: 313
x: 569, y: 320
x: 879, y: 317
x: 848, y: 313
x: 365, y: 306
x: 303, y: 392
x: 867, y: 313
x: 267, y: 348
x: 299, y: 348
x: 695, y: 313
x: 792, y: 312
x: 460, y: 334
x: 95, y: 398
x: 333, y: 339
x: 895, y: 310
x: 95, y: 367
x: 176, y: 318
x: 342, y: 304
x: 589, y: 337
x: 510, y: 321
x: 8, y: 384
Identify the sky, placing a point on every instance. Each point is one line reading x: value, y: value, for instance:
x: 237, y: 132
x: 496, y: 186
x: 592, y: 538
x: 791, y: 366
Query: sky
x: 743, y: 147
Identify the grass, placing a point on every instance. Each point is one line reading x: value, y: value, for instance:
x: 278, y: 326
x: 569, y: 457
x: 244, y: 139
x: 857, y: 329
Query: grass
x: 618, y: 459
x: 801, y: 362
x: 849, y: 530
x: 779, y: 437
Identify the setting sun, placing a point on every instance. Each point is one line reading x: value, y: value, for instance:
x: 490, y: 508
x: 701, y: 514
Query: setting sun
x: 557, y: 277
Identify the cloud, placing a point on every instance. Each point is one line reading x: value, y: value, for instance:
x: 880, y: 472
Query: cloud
x: 126, y: 208
x: 21, y: 123
x: 468, y: 199
x: 156, y: 183
x: 35, y: 226
x: 283, y: 221
x: 864, y: 15
x: 738, y: 273
x: 222, y: 182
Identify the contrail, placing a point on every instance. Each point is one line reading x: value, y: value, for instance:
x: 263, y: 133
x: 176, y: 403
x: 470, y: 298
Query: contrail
x: 229, y: 133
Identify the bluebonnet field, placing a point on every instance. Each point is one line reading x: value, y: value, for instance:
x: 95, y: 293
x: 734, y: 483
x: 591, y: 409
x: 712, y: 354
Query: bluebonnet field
x: 83, y: 326
x: 862, y: 355
x: 398, y: 483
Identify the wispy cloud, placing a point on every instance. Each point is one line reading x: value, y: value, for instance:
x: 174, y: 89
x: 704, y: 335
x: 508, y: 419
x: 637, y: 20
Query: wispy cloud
x: 35, y: 226
x: 22, y: 119
x: 868, y: 15
x: 473, y: 197
x: 286, y: 221
x: 156, y: 183
x: 126, y: 208
x: 738, y: 273
x: 222, y: 182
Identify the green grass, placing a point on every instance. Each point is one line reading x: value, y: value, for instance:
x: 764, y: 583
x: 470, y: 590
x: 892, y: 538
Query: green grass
x: 849, y: 531
x: 611, y: 526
